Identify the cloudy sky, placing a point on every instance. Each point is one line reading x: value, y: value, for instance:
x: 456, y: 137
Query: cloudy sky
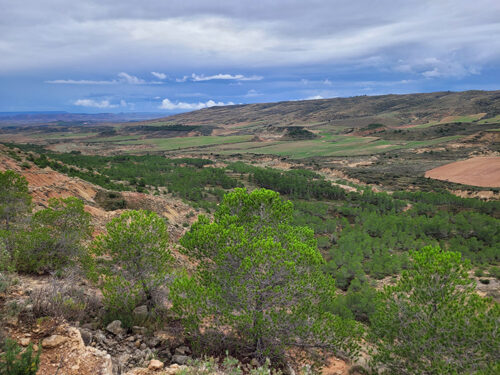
x: 170, y: 56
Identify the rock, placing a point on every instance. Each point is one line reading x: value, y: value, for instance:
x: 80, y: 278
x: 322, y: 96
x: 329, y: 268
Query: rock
x: 139, y: 330
x: 86, y: 336
x: 100, y: 337
x: 180, y: 359
x: 137, y: 344
x: 25, y: 341
x: 141, y: 313
x: 92, y: 326
x: 148, y: 354
x: 155, y: 365
x: 115, y: 327
x: 153, y: 341
x: 12, y: 321
x: 165, y: 355
x: 183, y: 350
x: 53, y: 341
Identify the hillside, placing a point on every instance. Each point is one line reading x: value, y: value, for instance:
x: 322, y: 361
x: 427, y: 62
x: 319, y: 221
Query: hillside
x: 351, y: 204
x: 359, y: 111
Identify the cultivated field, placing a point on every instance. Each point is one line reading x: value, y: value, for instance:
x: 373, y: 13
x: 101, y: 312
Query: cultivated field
x: 483, y: 171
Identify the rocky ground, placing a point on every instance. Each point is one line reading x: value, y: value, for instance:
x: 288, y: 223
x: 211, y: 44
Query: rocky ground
x: 71, y: 348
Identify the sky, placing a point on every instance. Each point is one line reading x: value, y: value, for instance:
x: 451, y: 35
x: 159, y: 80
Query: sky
x: 170, y: 56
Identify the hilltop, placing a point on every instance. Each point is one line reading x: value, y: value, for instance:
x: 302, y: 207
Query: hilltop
x: 358, y: 111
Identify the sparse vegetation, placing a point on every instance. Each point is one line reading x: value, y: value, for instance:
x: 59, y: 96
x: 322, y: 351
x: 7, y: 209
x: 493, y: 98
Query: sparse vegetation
x: 254, y: 279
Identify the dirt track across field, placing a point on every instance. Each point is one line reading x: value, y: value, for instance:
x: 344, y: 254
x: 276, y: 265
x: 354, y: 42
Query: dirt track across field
x: 480, y: 171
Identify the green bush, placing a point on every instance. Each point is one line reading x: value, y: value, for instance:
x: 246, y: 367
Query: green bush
x: 54, y: 238
x: 15, y: 200
x: 133, y: 262
x: 433, y: 322
x: 260, y: 279
x: 16, y: 361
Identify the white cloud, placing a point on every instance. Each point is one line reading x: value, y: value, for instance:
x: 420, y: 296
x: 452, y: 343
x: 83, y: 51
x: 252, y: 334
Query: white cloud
x: 167, y: 104
x: 124, y: 78
x: 315, y: 97
x: 252, y: 93
x: 236, y: 77
x: 159, y: 75
x: 94, y: 103
x: 327, y: 82
x: 81, y: 82
x: 133, y: 80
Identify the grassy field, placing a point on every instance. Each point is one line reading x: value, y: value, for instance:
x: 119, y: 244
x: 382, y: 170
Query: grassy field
x: 167, y: 144
x: 328, y: 146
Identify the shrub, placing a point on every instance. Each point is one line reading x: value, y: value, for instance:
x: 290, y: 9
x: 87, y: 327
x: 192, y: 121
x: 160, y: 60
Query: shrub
x: 55, y: 237
x: 229, y: 366
x: 15, y: 200
x: 16, y: 361
x: 260, y: 279
x: 433, y: 322
x: 64, y: 299
x: 134, y: 261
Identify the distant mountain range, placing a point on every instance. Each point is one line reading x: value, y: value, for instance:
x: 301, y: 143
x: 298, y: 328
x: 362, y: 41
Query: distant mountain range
x: 51, y: 117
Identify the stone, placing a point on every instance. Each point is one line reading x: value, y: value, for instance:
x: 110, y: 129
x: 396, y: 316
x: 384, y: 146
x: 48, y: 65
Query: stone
x: 100, y: 337
x: 53, y: 341
x: 137, y: 330
x: 25, y: 341
x: 165, y: 355
x: 180, y: 359
x: 155, y: 365
x: 141, y: 313
x: 115, y: 327
x: 138, y: 344
x: 86, y: 336
x: 182, y: 350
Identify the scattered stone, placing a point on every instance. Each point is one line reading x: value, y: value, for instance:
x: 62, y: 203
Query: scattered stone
x: 155, y: 365
x: 53, y: 341
x: 139, y: 330
x: 153, y: 341
x: 183, y: 350
x: 86, y: 336
x: 12, y: 321
x: 180, y: 359
x: 138, y: 344
x: 115, y: 327
x: 25, y: 341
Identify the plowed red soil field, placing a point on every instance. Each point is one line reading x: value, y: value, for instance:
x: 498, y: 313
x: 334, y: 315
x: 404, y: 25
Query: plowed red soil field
x: 479, y: 171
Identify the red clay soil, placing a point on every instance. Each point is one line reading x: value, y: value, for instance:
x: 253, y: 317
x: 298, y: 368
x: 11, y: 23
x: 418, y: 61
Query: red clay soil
x: 479, y: 171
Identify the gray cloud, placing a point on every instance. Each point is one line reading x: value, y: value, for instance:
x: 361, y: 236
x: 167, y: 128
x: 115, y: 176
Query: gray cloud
x: 49, y: 34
